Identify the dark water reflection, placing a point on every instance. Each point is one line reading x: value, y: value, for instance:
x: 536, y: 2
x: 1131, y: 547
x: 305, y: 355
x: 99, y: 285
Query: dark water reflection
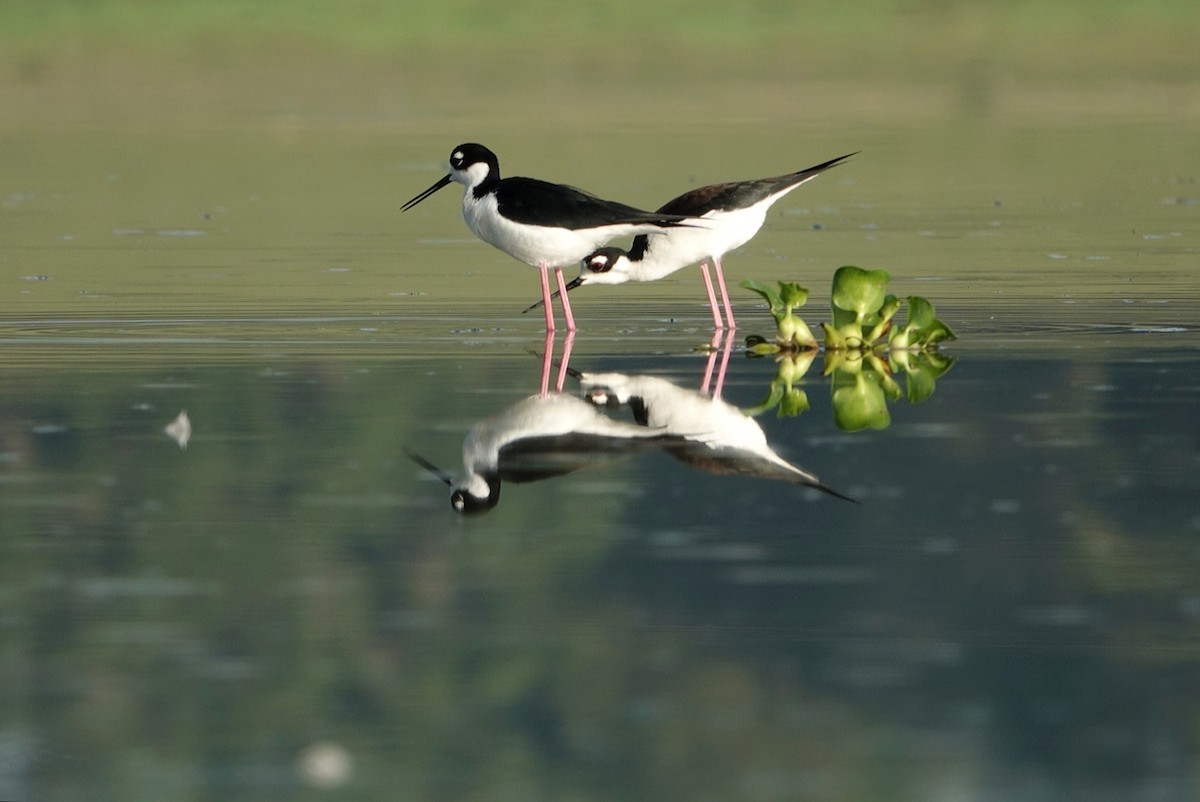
x: 287, y: 604
x: 552, y: 433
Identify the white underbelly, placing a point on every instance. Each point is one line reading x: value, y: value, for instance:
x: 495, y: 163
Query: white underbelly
x: 534, y: 245
x: 714, y: 235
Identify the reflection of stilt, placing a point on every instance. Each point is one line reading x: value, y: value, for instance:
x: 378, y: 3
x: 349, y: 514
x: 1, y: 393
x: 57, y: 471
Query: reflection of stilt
x: 724, y: 349
x: 548, y: 362
x: 563, y: 368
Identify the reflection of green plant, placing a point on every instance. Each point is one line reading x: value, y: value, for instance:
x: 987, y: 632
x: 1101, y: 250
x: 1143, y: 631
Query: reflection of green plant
x: 789, y: 400
x: 860, y: 392
x: 921, y: 371
x: 794, y: 333
x: 864, y: 348
x: 862, y: 383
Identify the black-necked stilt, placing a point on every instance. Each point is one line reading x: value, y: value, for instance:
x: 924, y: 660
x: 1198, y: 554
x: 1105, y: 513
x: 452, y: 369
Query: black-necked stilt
x: 539, y: 437
x: 713, y: 435
x: 544, y: 225
x: 724, y: 217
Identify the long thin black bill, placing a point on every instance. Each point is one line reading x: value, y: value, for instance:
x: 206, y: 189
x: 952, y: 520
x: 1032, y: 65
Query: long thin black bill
x: 572, y: 284
x: 429, y: 466
x: 441, y: 182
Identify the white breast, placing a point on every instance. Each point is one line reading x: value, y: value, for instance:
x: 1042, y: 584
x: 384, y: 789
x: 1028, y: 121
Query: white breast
x: 548, y: 246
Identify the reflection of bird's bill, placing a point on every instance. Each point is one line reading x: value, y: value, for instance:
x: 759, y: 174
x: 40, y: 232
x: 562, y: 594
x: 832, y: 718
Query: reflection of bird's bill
x: 441, y: 182
x: 572, y: 284
x: 429, y: 466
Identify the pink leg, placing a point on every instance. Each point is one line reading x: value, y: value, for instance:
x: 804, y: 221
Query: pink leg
x: 547, y: 361
x: 562, y: 295
x: 566, y: 359
x: 724, y: 294
x: 546, y: 299
x: 712, y: 298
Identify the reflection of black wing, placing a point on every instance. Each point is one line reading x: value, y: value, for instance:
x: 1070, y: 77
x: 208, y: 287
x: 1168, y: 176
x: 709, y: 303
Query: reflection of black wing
x: 728, y: 461
x: 531, y: 459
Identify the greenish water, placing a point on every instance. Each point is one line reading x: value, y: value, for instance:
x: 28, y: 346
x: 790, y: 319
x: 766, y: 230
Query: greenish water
x: 289, y: 608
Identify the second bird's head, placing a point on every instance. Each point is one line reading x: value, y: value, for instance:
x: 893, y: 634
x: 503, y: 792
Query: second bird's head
x: 605, y: 266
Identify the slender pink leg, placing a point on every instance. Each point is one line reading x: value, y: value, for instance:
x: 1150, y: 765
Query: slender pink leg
x: 547, y: 361
x: 712, y: 298
x: 546, y: 300
x: 712, y: 362
x: 724, y: 294
x: 562, y: 296
x: 566, y: 359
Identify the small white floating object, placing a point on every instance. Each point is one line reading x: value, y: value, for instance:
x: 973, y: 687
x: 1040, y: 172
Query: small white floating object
x: 180, y: 429
x: 325, y: 764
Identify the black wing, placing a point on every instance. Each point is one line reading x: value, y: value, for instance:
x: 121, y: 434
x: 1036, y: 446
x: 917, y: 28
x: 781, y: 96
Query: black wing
x: 740, y: 194
x: 540, y: 203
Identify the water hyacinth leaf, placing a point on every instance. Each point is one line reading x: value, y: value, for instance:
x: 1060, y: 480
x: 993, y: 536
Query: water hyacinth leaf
x: 936, y: 333
x: 889, y: 386
x: 919, y: 384
x: 891, y: 305
x: 843, y: 317
x: 920, y: 313
x: 794, y: 402
x: 770, y: 294
x: 792, y: 294
x: 859, y: 402
x: 849, y: 336
x: 848, y: 362
x: 792, y: 367
x: 774, y: 396
x: 795, y: 333
x: 802, y: 335
x: 859, y: 291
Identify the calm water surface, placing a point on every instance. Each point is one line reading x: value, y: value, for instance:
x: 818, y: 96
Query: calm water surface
x: 289, y: 605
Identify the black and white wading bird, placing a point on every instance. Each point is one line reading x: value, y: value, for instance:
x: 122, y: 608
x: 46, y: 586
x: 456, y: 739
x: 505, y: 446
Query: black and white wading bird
x: 548, y: 226
x: 723, y: 217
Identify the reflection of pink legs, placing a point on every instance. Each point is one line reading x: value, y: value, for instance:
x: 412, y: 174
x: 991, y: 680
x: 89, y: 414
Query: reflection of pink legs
x: 548, y: 363
x: 546, y: 299
x: 728, y: 349
x: 724, y: 294
x: 566, y: 359
x: 562, y: 296
x: 712, y: 298
x: 724, y: 349
x: 714, y: 346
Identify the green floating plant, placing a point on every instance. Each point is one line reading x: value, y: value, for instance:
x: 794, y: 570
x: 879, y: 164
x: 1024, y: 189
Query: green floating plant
x: 922, y: 331
x: 793, y: 332
x: 865, y: 348
x: 863, y: 313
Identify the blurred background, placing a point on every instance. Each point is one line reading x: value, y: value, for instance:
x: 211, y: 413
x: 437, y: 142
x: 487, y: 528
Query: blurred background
x: 605, y: 65
x: 199, y: 208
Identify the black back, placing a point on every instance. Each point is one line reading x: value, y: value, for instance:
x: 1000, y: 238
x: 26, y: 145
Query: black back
x: 540, y: 203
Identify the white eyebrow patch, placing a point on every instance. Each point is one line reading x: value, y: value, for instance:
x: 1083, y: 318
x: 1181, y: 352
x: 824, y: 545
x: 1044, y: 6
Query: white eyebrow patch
x: 458, y: 154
